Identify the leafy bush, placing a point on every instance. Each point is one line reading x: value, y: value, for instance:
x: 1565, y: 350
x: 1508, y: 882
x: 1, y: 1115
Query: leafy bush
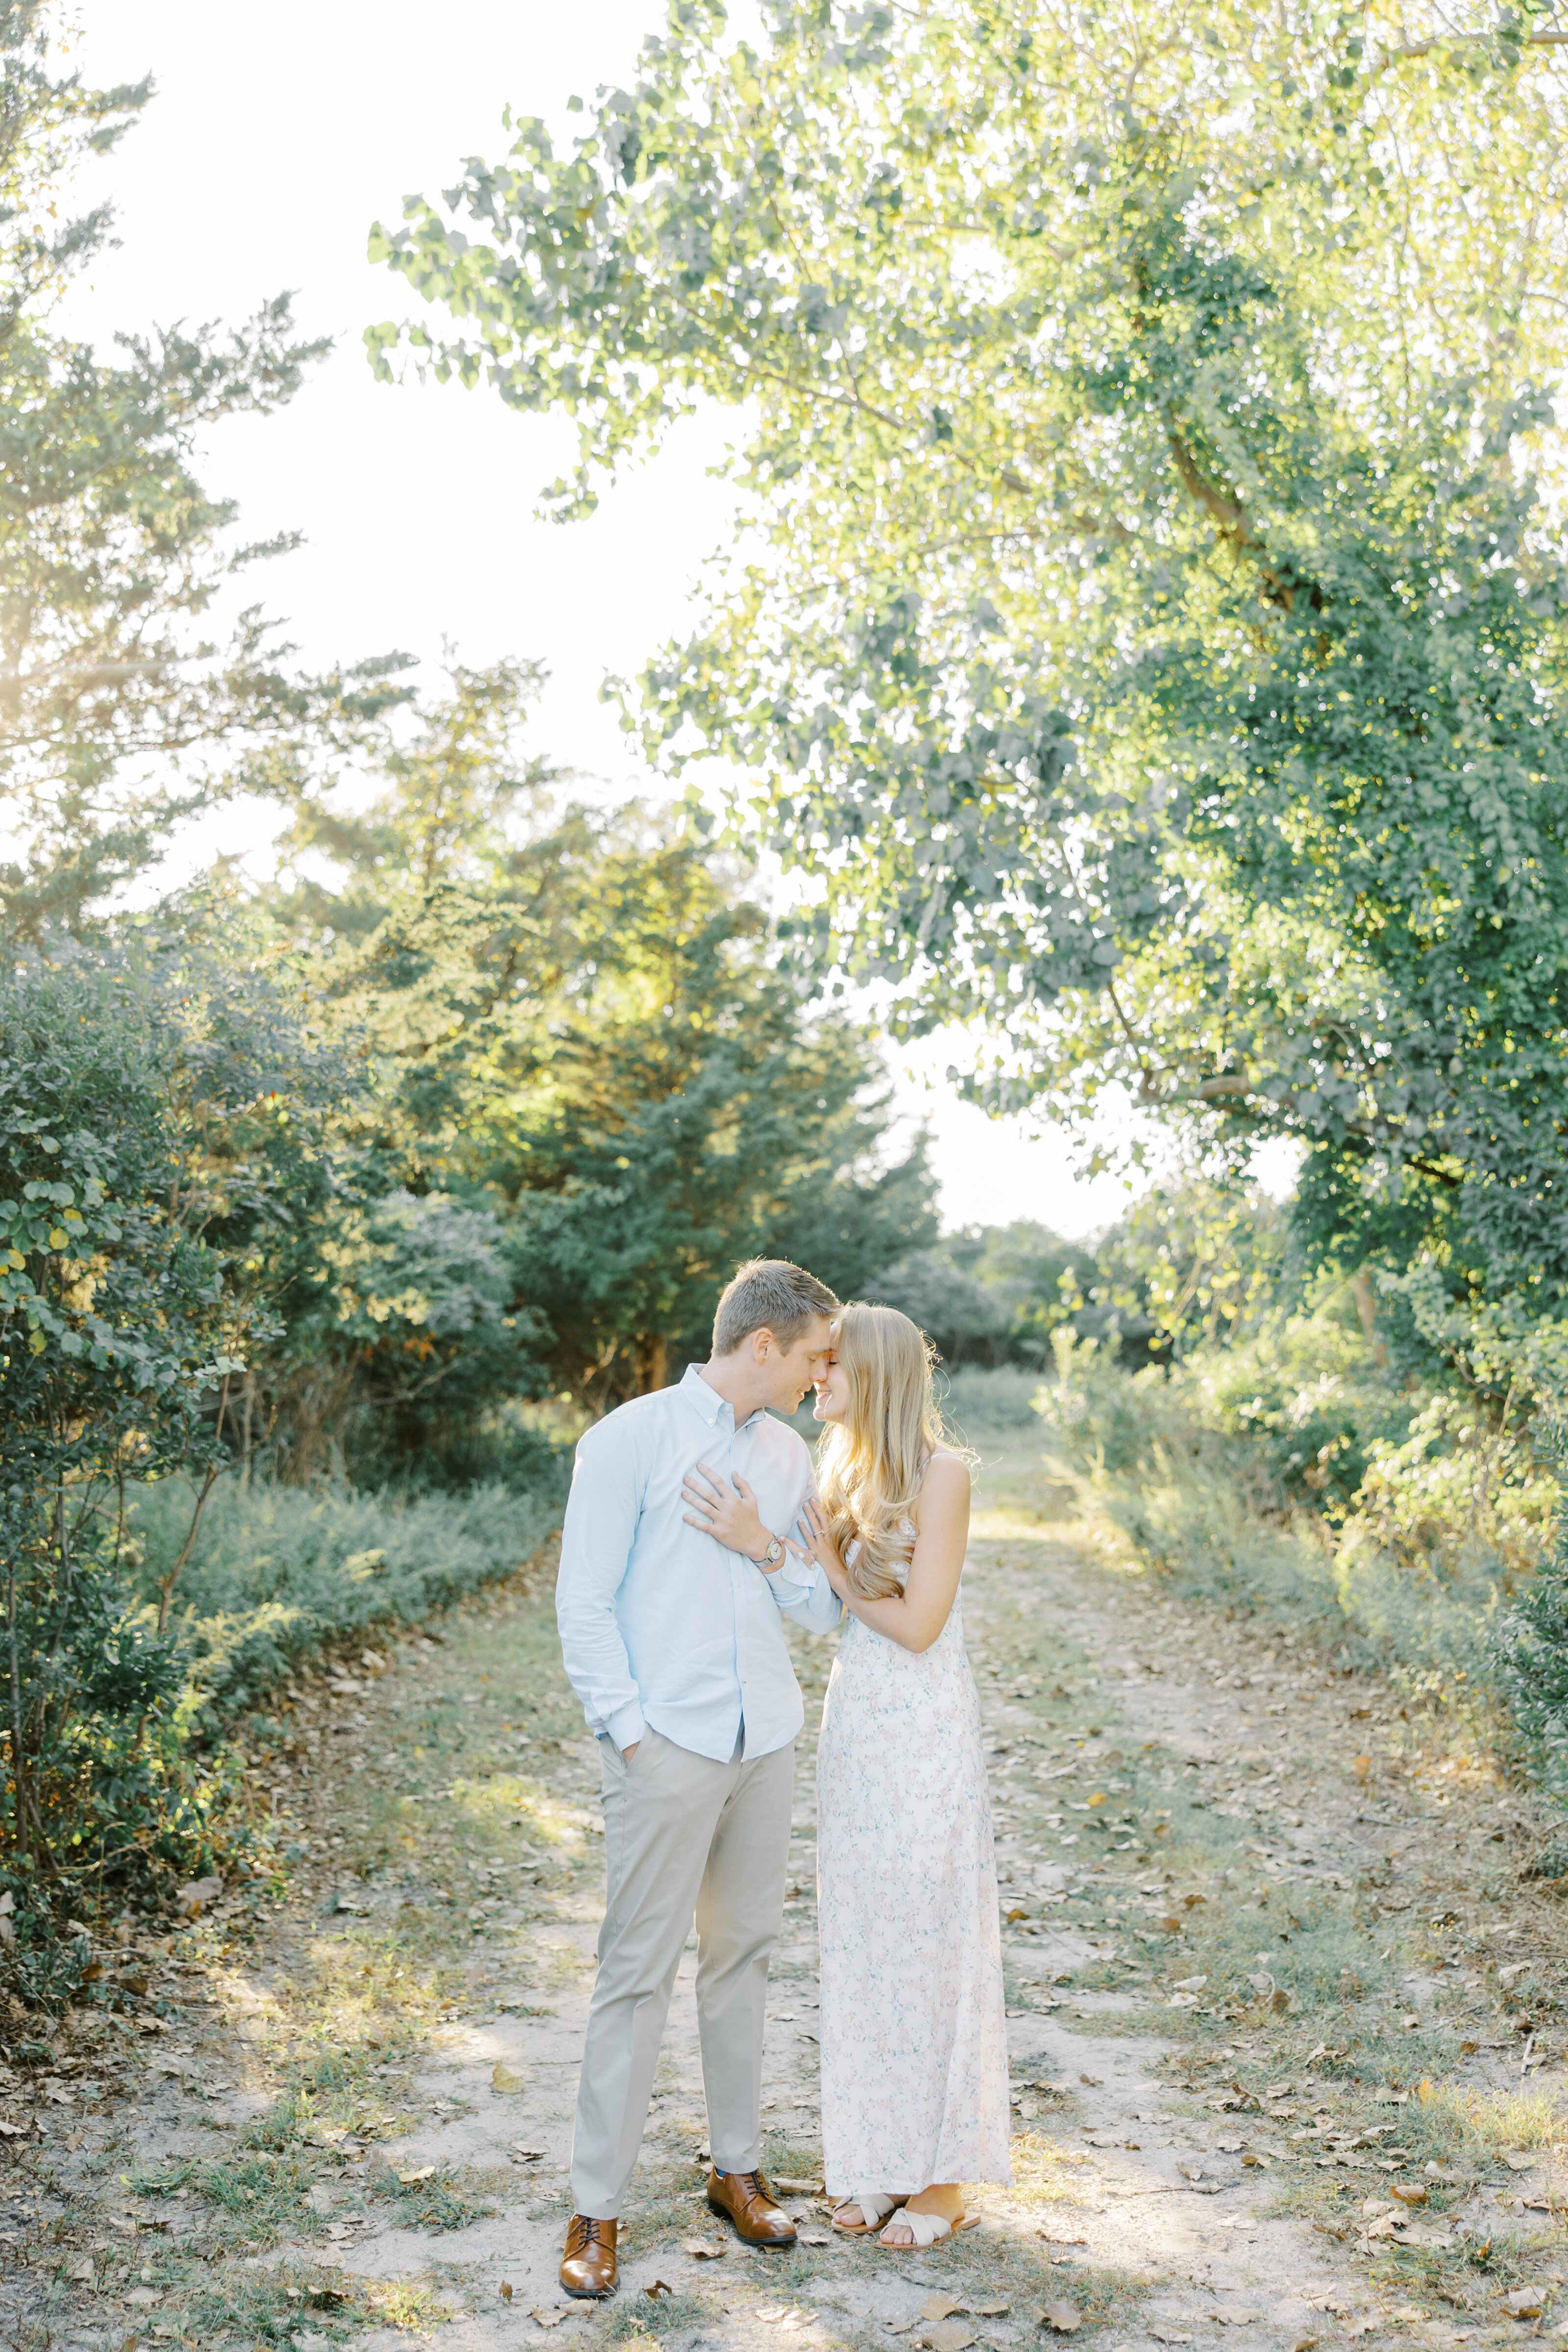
x: 115, y: 1325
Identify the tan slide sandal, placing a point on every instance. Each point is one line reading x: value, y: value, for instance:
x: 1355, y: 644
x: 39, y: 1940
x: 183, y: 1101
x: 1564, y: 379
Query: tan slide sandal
x: 928, y: 2230
x: 873, y: 2211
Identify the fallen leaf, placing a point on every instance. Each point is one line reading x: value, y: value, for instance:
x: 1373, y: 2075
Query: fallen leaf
x: 1189, y: 1984
x: 791, y: 2184
x: 547, y: 2318
x: 503, y: 2079
x: 701, y: 2251
x: 1363, y: 1765
x: 1065, y: 2317
x: 506, y: 2290
x: 143, y: 2295
x: 1517, y: 2161
x: 1095, y: 2081
x: 949, y: 2335
x: 1235, y: 2319
x: 1304, y: 2344
x: 1053, y: 2238
x: 1409, y: 2192
x: 940, y: 2306
x: 81, y: 2272
x: 657, y: 2289
x: 422, y: 2172
x: 1523, y: 2303
x: 1230, y: 2147
x: 989, y: 2310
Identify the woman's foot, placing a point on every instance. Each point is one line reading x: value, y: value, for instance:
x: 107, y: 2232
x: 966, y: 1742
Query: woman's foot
x: 943, y: 2202
x: 855, y: 2219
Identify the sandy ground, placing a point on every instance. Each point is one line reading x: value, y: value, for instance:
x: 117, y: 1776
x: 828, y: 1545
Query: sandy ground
x: 347, y: 2113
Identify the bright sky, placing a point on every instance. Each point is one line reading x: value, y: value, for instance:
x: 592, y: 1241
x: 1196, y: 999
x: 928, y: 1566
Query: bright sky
x: 273, y: 142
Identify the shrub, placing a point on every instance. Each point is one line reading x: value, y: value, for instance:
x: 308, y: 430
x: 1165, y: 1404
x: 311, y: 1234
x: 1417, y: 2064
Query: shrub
x: 1197, y: 1472
x: 977, y: 1400
x: 115, y: 1326
x: 277, y: 1572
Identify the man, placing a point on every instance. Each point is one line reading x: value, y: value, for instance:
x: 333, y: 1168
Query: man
x: 674, y: 1644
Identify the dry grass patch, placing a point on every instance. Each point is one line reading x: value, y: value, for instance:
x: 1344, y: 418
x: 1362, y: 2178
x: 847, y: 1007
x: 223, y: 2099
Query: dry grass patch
x: 1045, y: 2173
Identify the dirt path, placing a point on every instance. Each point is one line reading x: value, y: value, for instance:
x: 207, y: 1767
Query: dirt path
x: 1286, y: 2053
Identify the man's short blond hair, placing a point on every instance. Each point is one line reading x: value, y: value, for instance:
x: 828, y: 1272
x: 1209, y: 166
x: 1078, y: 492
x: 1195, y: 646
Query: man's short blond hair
x: 771, y: 1292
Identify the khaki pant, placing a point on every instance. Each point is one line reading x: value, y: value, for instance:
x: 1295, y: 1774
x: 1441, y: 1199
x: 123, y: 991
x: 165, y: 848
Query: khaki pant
x: 682, y: 1835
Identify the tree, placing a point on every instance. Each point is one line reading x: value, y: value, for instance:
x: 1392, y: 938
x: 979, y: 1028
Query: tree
x: 1150, y: 623
x: 579, y: 1031
x: 1190, y: 1262
x: 118, y: 716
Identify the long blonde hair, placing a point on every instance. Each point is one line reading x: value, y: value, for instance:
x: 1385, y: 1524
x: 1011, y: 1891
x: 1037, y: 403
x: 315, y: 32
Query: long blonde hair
x: 870, y: 1464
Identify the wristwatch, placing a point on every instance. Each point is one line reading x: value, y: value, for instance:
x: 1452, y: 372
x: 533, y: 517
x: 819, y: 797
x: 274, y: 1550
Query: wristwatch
x: 774, y: 1554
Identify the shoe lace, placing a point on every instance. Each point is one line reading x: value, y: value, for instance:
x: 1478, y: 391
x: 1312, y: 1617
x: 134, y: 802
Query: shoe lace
x: 754, y: 2184
x: 589, y: 2230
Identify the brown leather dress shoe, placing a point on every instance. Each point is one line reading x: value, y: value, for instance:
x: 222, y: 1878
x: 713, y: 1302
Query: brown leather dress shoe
x: 745, y: 2199
x: 588, y: 2265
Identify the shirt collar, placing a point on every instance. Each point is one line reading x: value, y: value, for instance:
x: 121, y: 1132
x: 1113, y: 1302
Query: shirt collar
x: 708, y: 1401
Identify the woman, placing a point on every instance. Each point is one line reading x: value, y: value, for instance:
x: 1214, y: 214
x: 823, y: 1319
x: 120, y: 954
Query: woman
x: 915, y: 2057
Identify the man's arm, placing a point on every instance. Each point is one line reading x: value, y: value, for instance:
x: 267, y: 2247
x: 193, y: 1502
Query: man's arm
x: 800, y: 1587
x: 727, y: 1510
x: 808, y: 1596
x: 601, y: 1513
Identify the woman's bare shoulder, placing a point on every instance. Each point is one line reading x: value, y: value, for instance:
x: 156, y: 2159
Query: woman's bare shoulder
x: 945, y: 1479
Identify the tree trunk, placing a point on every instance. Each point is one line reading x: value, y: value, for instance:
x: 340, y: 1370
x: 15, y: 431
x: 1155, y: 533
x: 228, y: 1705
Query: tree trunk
x: 1366, y: 1308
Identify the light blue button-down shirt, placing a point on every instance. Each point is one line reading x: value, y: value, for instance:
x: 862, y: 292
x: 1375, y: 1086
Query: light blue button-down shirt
x: 661, y: 1625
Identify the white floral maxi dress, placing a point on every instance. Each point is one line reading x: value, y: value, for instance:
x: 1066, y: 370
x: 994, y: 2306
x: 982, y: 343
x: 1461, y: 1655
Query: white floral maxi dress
x: 914, y: 2053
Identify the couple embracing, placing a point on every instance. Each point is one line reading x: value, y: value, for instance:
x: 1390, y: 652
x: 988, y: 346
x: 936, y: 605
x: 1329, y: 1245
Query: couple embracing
x: 696, y: 1524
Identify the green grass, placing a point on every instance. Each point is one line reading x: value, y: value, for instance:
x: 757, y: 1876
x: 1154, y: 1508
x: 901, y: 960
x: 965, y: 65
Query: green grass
x: 276, y: 1573
x: 1290, y: 1480
x: 662, y: 2315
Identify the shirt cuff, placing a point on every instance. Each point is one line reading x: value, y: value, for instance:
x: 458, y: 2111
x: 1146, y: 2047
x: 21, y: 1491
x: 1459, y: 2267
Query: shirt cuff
x: 788, y: 1589
x: 626, y: 1726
